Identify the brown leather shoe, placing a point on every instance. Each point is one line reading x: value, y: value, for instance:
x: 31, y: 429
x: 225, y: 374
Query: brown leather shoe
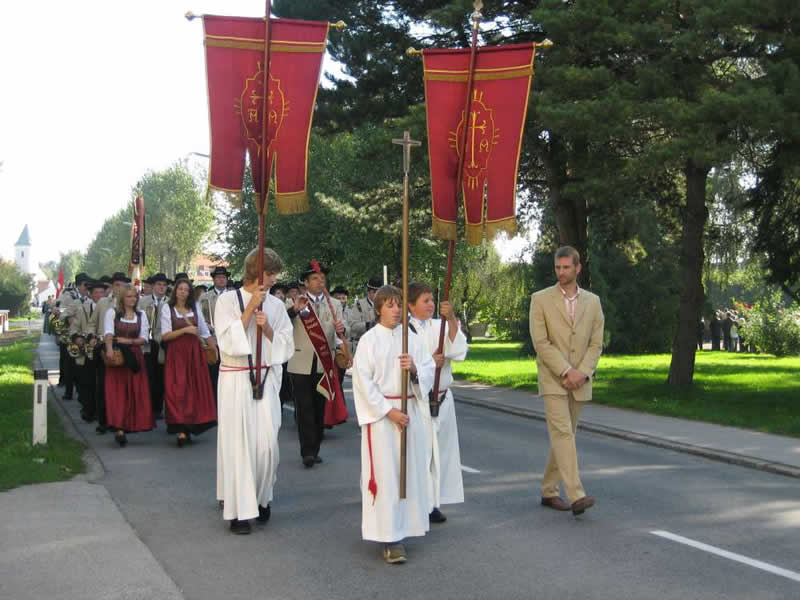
x: 582, y: 505
x: 555, y: 502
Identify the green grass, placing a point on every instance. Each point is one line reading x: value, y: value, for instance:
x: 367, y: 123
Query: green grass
x: 21, y: 462
x: 755, y: 391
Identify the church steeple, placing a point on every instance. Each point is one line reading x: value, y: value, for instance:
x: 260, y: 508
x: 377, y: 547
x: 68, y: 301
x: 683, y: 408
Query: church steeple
x: 24, y: 238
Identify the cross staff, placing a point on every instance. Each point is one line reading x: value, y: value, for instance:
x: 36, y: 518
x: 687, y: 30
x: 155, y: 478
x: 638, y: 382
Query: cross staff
x: 407, y: 144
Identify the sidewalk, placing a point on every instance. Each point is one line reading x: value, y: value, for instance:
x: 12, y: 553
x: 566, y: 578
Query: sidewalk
x: 763, y: 451
x: 75, y: 530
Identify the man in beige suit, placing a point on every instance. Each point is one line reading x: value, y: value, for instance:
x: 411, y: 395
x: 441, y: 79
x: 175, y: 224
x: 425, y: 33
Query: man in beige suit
x: 566, y: 325
x: 305, y: 367
x: 208, y: 304
x: 154, y: 353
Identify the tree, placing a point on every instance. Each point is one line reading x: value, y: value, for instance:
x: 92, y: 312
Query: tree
x: 15, y: 288
x: 71, y: 262
x: 179, y: 223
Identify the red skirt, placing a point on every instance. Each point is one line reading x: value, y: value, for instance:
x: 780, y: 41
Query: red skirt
x: 189, y: 399
x: 128, y: 397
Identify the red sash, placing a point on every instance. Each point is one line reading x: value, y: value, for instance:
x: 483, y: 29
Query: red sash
x: 329, y: 385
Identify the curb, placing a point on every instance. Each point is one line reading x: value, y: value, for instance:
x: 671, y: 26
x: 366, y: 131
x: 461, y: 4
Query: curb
x: 95, y: 470
x: 741, y: 460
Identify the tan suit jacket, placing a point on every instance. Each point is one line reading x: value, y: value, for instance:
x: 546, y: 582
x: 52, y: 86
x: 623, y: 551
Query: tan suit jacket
x: 148, y: 306
x: 561, y: 344
x: 105, y: 303
x: 208, y: 304
x: 301, y: 361
x: 83, y: 321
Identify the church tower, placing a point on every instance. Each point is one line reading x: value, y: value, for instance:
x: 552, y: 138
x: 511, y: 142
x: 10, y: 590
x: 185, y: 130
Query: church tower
x: 24, y: 253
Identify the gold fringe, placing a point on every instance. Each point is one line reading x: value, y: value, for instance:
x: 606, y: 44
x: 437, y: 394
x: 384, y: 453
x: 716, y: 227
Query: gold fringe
x: 474, y: 234
x: 443, y: 229
x: 292, y: 203
x: 508, y: 225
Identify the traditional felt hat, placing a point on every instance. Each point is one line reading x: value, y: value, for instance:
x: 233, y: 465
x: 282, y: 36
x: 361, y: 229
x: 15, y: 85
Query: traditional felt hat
x: 105, y: 279
x: 313, y: 267
x: 179, y: 276
x: 201, y: 286
x: 220, y: 270
x: 148, y: 281
x: 279, y: 285
x: 340, y: 289
x: 292, y: 285
x: 118, y: 276
x: 159, y: 277
x: 82, y: 278
x: 97, y: 284
x: 375, y: 282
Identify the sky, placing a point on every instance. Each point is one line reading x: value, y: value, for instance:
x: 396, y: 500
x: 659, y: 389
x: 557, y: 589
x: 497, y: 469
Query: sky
x: 94, y: 94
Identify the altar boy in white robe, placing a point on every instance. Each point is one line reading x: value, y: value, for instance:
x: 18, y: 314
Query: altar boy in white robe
x: 247, y: 433
x: 447, y: 484
x: 378, y: 367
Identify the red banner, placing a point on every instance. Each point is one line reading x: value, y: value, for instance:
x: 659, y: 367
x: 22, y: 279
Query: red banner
x: 234, y: 66
x: 60, y: 282
x: 493, y: 130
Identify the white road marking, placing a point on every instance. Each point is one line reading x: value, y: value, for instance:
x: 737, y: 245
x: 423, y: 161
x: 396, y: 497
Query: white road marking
x: 730, y: 555
x: 469, y: 469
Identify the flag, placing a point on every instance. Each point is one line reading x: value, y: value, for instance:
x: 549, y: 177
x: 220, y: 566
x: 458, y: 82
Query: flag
x: 60, y: 282
x: 137, y: 241
x: 493, y: 128
x: 235, y: 73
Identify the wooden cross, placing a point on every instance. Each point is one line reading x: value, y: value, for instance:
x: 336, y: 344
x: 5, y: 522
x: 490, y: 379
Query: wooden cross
x: 406, y: 142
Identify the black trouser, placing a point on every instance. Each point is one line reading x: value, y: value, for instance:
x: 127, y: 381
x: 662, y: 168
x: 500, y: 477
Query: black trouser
x: 66, y: 365
x: 155, y: 377
x: 86, y: 379
x: 309, y: 406
x: 715, y: 342
x: 287, y: 391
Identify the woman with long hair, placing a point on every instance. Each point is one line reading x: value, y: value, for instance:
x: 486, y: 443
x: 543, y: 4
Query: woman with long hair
x: 127, y: 391
x: 189, y: 399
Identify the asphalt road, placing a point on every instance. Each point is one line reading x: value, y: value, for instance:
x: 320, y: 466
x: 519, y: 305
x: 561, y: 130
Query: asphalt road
x: 499, y: 544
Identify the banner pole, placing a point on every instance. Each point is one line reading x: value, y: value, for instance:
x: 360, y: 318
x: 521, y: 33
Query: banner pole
x: 263, y: 201
x: 451, y: 247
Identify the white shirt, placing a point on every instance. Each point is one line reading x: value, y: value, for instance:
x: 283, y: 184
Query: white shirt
x: 111, y: 315
x: 166, y: 320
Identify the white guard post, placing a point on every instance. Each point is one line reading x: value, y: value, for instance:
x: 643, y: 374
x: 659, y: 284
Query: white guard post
x: 40, y: 384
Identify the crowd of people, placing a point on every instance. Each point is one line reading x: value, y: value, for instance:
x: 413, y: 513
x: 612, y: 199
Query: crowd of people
x: 230, y: 356
x: 724, y: 329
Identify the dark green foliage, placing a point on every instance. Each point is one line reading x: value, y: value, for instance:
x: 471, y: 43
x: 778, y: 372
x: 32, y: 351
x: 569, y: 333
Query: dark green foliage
x: 15, y: 288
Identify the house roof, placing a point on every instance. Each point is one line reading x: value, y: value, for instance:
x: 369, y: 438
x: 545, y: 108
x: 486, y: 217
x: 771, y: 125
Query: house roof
x: 24, y: 238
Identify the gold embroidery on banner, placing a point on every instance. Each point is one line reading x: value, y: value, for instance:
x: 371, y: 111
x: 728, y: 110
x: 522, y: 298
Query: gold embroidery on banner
x: 481, y: 135
x: 526, y: 72
x: 275, y: 46
x: 251, y: 106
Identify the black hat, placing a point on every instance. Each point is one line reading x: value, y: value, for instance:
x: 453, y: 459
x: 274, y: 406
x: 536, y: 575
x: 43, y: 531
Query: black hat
x: 159, y: 277
x: 201, y: 286
x: 183, y: 276
x: 279, y: 285
x: 237, y: 284
x: 105, y: 279
x: 82, y: 278
x: 339, y: 289
x: 375, y: 282
x: 120, y: 277
x: 313, y: 267
x: 292, y: 285
x: 97, y: 284
x: 148, y: 281
x: 220, y: 270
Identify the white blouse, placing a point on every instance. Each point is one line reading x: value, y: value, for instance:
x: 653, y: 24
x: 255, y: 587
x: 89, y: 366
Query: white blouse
x: 166, y: 321
x: 111, y: 315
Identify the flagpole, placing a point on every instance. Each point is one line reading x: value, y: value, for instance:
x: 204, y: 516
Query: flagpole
x: 258, y: 391
x: 451, y: 247
x: 407, y: 143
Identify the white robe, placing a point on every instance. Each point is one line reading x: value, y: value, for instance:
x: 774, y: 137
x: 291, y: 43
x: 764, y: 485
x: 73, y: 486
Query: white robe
x: 447, y: 483
x: 247, y: 432
x: 377, y: 374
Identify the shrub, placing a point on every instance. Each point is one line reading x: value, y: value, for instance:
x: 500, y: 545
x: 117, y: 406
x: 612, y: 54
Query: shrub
x: 772, y: 327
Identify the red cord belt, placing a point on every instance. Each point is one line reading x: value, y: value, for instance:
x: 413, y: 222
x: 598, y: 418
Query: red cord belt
x: 372, y: 486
